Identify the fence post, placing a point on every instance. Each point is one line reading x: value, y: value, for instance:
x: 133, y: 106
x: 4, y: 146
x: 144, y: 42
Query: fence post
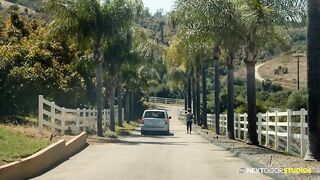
x: 276, y: 143
x: 53, y: 117
x: 245, y: 118
x: 267, y: 128
x: 234, y: 124
x: 40, y: 112
x: 78, y: 121
x: 289, y: 114
x: 220, y: 124
x: 259, y: 127
x: 303, y: 131
x: 63, y: 120
x: 239, y: 126
x: 84, y: 119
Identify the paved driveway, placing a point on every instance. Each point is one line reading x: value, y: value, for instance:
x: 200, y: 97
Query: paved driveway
x: 154, y: 157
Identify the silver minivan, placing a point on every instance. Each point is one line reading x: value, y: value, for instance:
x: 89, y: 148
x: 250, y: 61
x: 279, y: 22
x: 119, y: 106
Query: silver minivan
x: 155, y: 120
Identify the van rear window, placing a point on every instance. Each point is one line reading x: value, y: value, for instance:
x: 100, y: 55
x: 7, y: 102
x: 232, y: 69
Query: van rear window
x: 154, y: 114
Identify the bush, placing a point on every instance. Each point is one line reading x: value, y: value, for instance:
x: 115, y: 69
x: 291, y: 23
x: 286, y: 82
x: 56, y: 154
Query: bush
x: 14, y: 7
x: 298, y: 100
x: 268, y: 86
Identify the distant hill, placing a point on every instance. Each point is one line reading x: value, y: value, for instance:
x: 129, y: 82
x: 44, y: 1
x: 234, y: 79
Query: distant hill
x: 6, y: 7
x: 286, y: 79
x: 32, y: 4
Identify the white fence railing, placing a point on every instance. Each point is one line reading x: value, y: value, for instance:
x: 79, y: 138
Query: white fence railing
x: 282, y: 131
x: 60, y: 119
x: 166, y: 100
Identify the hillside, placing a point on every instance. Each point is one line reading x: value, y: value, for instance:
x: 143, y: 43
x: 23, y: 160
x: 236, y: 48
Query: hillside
x: 267, y: 71
x: 32, y: 4
x: 6, y: 7
x: 289, y: 80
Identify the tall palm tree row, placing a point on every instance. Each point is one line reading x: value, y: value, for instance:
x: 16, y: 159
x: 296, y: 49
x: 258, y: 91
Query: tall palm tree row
x: 255, y: 24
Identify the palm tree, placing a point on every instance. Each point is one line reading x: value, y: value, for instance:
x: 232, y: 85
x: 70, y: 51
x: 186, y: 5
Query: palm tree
x: 194, y: 99
x: 313, y: 80
x: 204, y: 95
x: 260, y: 24
x: 216, y: 55
x: 91, y: 22
x: 260, y: 21
x: 120, y: 99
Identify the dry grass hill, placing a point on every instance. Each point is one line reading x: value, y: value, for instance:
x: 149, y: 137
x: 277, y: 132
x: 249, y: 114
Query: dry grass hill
x: 288, y: 80
x: 6, y: 7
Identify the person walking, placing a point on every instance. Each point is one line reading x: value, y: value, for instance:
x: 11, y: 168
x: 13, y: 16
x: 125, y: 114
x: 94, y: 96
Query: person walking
x: 189, y: 121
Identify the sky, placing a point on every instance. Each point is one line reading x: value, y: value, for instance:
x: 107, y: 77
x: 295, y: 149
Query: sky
x: 153, y: 5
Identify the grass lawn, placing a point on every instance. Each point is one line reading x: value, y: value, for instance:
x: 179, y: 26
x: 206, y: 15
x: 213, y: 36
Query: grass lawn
x: 14, y: 145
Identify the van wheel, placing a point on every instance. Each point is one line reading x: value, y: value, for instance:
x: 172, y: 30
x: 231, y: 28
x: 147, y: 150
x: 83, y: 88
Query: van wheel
x: 143, y: 133
x: 168, y: 132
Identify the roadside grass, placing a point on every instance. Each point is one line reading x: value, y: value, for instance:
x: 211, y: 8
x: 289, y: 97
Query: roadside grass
x: 14, y: 145
x: 122, y: 131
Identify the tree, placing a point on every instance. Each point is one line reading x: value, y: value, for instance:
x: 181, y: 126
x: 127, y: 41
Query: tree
x: 260, y: 24
x: 313, y: 80
x: 261, y: 20
x: 32, y: 64
x: 91, y: 22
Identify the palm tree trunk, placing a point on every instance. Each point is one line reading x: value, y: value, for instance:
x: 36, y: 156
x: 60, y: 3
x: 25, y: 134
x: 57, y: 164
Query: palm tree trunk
x: 204, y: 98
x: 189, y: 91
x: 198, y: 102
x: 120, y: 94
x: 230, y: 97
x: 251, y: 98
x: 112, y: 103
x: 132, y: 106
x: 217, y: 94
x: 185, y: 95
x: 98, y: 60
x: 313, y: 80
x: 127, y: 107
x: 194, y: 98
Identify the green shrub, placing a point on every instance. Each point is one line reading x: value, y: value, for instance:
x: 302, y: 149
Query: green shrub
x: 298, y: 100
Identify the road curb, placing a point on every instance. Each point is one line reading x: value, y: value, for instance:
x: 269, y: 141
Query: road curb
x: 252, y: 162
x: 44, y: 160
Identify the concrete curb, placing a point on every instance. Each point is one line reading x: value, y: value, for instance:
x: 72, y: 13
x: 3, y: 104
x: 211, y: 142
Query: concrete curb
x: 43, y: 160
x: 253, y: 163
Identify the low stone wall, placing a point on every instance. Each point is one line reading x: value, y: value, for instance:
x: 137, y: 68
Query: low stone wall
x: 43, y: 160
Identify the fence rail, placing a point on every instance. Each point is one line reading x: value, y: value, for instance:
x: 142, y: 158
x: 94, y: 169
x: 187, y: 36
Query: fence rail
x: 60, y: 119
x: 281, y: 131
x: 166, y: 100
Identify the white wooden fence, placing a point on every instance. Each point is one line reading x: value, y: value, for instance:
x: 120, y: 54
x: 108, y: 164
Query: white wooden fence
x: 166, y: 100
x: 60, y: 119
x: 281, y: 131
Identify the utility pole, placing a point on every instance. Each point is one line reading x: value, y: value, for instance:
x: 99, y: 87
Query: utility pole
x: 298, y: 56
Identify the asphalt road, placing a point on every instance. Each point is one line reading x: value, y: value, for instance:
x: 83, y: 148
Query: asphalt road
x: 154, y: 157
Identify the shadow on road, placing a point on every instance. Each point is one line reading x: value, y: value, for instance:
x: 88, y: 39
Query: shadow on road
x: 124, y: 142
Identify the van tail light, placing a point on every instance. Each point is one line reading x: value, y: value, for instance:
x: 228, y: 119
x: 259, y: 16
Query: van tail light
x: 167, y: 121
x: 142, y: 121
